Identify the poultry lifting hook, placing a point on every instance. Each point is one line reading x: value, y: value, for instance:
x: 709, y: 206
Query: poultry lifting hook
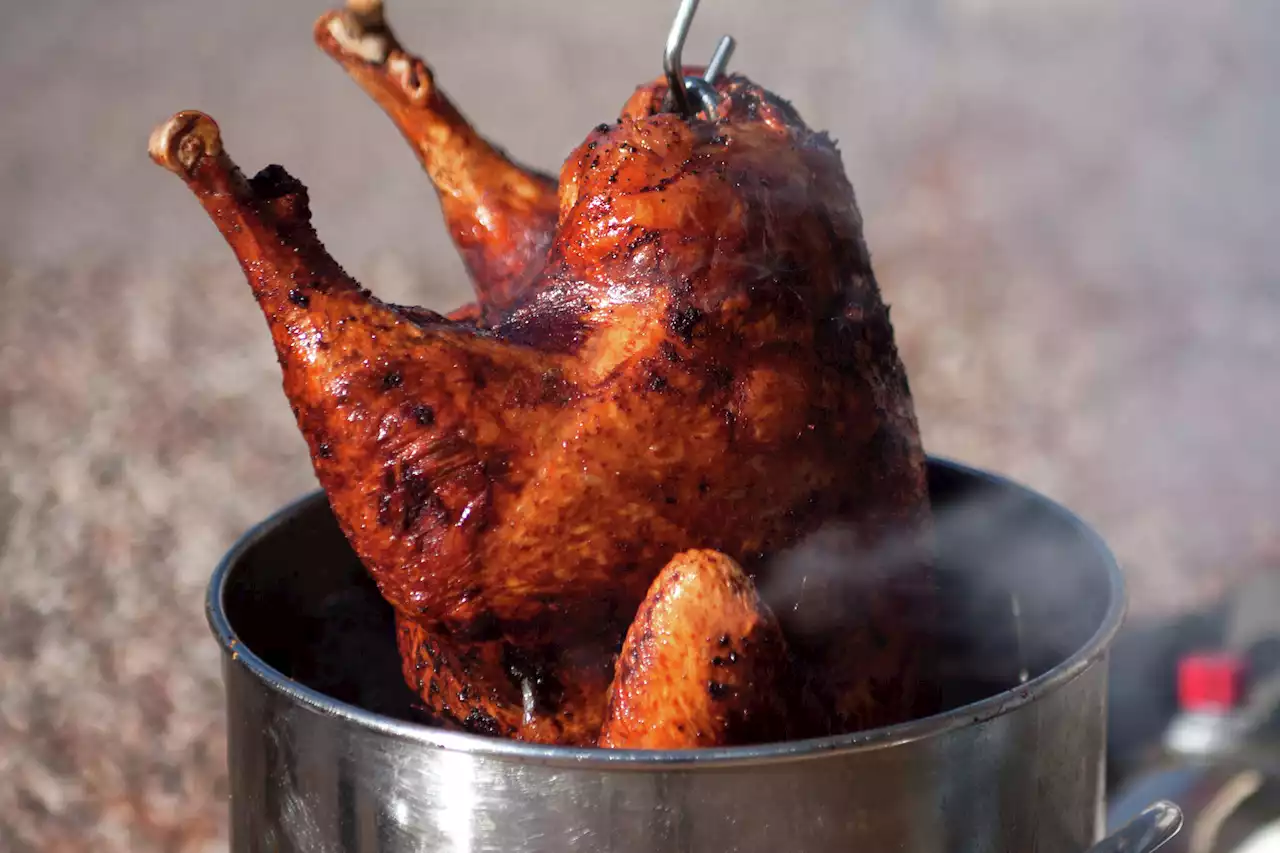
x: 680, y: 85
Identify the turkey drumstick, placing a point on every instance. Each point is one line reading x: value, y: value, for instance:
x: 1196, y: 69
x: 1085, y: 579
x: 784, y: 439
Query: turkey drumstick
x: 501, y: 215
x: 407, y: 417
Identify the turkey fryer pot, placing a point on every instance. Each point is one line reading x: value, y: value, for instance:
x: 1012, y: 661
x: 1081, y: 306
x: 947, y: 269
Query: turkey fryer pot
x: 325, y: 755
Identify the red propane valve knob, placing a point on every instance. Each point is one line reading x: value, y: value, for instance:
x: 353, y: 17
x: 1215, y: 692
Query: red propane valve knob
x: 1211, y: 682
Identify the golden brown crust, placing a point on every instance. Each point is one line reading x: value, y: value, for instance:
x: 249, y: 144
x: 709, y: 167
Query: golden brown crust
x: 704, y: 663
x: 700, y: 359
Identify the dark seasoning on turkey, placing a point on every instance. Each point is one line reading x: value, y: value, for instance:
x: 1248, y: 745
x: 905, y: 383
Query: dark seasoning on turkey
x: 678, y: 369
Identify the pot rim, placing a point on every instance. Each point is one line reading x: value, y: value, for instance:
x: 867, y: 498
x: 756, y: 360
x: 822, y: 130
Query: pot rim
x: 869, y: 740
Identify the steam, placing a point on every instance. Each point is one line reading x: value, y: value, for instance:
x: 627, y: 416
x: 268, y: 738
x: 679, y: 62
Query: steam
x: 1022, y: 588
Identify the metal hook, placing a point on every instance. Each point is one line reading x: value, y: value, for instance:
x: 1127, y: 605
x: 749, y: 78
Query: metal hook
x: 672, y: 57
x: 719, y: 59
x: 708, y: 97
x: 673, y: 64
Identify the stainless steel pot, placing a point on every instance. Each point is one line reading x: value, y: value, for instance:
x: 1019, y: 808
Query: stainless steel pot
x: 326, y: 754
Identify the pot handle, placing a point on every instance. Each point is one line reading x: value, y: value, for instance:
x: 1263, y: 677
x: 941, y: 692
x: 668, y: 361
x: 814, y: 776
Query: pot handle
x: 1159, y: 822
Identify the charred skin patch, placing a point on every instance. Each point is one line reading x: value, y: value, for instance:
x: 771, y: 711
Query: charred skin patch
x: 683, y: 322
x: 480, y: 723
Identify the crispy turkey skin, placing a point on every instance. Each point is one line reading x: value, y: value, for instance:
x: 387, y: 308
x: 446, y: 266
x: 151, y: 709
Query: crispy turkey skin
x: 704, y: 663
x: 680, y: 345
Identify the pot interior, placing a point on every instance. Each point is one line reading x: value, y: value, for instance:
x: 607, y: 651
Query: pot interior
x: 1026, y: 586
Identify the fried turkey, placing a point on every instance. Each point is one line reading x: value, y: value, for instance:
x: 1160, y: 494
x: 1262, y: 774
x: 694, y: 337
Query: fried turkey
x: 679, y: 345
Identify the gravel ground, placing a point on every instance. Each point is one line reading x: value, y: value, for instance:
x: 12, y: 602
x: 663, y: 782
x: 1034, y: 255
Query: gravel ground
x: 1071, y: 207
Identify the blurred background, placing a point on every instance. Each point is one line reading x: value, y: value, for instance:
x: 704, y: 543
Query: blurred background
x: 1071, y: 205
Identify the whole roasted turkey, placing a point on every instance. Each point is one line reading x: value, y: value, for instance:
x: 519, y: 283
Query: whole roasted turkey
x: 661, y: 485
